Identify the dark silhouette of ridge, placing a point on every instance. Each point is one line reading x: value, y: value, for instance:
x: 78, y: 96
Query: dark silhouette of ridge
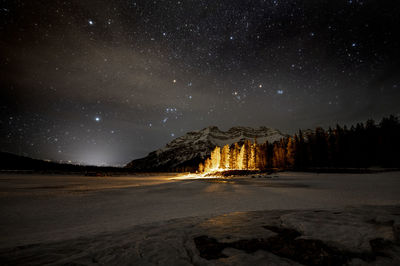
x: 17, y: 163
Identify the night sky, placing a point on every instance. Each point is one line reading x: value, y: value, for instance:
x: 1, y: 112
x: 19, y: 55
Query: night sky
x: 104, y: 82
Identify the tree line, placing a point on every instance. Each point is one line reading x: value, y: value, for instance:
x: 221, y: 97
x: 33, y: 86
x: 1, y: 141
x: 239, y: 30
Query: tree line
x: 360, y: 146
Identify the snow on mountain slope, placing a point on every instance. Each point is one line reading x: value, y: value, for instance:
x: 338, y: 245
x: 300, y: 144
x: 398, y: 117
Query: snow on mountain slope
x: 192, y: 148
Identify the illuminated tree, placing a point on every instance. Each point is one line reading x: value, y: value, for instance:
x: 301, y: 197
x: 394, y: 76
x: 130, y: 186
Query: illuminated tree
x: 216, y: 158
x: 279, y: 154
x: 290, y: 152
x: 359, y: 146
x: 261, y: 156
x: 241, y: 158
x: 252, y: 156
x: 234, y: 157
x: 201, y: 167
x: 225, y: 157
x: 207, y: 165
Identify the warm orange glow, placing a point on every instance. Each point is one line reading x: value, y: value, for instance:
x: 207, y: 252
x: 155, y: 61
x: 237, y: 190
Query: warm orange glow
x: 245, y: 157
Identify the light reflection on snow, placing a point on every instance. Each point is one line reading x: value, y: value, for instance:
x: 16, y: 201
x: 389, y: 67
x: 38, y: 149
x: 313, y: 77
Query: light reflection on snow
x: 193, y: 176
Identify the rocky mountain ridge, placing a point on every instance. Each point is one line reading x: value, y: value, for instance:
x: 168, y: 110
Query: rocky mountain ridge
x: 187, y: 151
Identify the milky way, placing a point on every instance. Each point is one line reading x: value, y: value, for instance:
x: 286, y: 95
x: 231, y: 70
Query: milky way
x: 104, y: 82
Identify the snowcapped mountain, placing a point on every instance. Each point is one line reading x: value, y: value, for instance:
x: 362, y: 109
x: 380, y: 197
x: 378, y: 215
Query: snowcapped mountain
x: 188, y: 151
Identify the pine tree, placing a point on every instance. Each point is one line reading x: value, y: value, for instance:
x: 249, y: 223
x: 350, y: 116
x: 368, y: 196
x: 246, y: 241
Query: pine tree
x: 225, y: 157
x: 340, y: 147
x: 215, y: 158
x: 332, y: 153
x: 261, y: 156
x: 247, y: 155
x: 276, y: 156
x: 233, y: 158
x: 252, y: 156
x: 303, y: 152
x: 279, y: 160
x: 290, y: 153
x: 242, y: 160
x: 372, y: 137
x: 339, y: 144
x: 201, y: 167
x: 207, y: 165
x: 319, y: 148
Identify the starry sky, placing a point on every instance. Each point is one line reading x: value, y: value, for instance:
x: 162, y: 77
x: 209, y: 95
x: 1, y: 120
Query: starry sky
x: 104, y: 82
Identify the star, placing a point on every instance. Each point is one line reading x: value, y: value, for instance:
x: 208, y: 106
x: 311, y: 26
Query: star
x: 233, y: 68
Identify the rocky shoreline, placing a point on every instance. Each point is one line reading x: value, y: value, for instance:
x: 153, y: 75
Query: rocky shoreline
x: 368, y: 235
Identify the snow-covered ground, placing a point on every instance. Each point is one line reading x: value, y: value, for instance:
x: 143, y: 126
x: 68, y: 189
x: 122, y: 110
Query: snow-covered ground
x: 39, y: 209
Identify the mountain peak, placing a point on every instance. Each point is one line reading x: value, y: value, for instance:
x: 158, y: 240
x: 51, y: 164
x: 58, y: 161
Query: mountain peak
x: 240, y: 128
x: 210, y: 129
x: 193, y: 147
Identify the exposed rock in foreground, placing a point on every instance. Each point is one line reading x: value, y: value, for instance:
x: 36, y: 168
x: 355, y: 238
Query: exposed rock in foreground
x: 353, y: 236
x: 186, y: 152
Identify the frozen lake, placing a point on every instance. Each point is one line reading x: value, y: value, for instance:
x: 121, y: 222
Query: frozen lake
x: 38, y: 208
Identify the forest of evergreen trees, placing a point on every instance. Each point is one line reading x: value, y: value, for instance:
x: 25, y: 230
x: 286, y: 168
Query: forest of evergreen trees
x: 360, y: 146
